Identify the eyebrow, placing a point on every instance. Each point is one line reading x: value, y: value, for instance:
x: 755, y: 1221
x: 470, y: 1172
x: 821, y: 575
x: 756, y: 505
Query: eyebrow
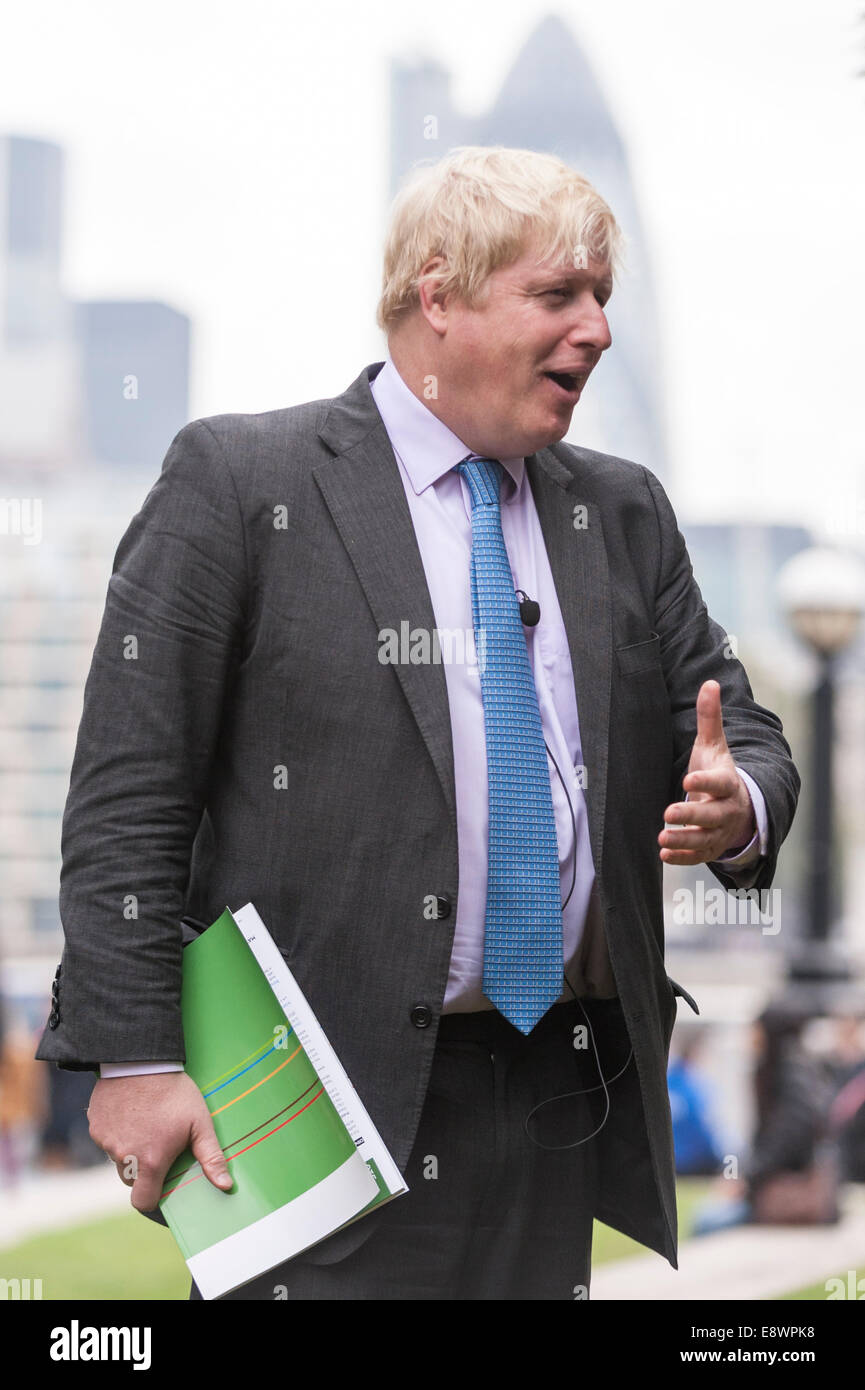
x: 555, y: 277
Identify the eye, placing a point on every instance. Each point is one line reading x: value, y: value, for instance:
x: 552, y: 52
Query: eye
x: 561, y: 291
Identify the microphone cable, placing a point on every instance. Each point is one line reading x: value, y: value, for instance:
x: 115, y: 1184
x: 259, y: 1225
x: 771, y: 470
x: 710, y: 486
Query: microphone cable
x: 533, y: 614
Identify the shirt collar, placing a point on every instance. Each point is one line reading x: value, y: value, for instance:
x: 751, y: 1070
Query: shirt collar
x: 426, y: 447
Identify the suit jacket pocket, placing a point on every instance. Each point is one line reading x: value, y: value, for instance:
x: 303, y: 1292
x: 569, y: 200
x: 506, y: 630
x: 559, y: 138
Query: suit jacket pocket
x: 640, y: 656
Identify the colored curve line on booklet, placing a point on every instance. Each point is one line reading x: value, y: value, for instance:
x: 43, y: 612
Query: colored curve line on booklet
x: 229, y: 1158
x: 211, y: 1087
x: 249, y: 1090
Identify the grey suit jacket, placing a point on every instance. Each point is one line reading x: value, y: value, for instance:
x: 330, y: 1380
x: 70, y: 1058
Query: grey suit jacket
x: 240, y: 740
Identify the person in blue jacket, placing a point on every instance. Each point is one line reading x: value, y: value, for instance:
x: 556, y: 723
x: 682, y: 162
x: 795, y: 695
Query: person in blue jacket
x: 698, y: 1150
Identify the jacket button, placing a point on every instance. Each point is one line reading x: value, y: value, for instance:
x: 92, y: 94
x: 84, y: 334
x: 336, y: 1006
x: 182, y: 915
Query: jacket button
x: 53, y: 1019
x: 443, y: 906
x: 421, y: 1016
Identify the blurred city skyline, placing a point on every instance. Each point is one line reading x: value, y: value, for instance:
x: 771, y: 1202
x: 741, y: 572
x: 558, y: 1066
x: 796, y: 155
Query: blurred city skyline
x: 244, y: 179
x: 133, y: 216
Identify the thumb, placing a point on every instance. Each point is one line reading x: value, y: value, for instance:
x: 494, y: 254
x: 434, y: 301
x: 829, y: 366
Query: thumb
x: 710, y: 725
x: 205, y: 1147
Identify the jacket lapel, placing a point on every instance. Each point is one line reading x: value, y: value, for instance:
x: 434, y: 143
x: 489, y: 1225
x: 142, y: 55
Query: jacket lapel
x: 362, y: 488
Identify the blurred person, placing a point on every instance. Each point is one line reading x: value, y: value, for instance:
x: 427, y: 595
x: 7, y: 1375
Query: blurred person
x: 64, y: 1141
x: 606, y: 733
x: 23, y: 1102
x: 698, y: 1149
x: 847, y: 1115
x: 792, y: 1096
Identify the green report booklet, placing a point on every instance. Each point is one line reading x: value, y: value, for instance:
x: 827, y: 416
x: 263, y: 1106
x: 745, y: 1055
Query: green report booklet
x: 303, y: 1153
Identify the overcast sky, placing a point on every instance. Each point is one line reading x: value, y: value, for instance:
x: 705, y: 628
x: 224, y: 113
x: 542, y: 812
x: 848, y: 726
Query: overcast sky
x: 232, y: 160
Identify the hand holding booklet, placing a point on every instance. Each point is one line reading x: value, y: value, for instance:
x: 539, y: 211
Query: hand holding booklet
x: 304, y: 1155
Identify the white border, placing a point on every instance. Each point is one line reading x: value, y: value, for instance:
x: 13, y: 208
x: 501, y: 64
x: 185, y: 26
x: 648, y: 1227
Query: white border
x: 286, y: 1232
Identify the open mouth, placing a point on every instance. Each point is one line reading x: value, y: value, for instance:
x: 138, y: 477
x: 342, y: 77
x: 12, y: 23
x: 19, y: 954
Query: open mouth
x: 567, y: 383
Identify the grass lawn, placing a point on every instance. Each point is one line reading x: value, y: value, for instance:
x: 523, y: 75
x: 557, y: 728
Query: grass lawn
x: 129, y: 1257
x: 124, y: 1256
x: 819, y: 1291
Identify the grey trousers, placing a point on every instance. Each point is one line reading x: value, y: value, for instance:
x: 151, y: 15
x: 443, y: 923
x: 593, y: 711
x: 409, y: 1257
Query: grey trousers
x: 493, y: 1211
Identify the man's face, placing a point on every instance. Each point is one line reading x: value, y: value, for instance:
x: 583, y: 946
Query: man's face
x: 497, y: 393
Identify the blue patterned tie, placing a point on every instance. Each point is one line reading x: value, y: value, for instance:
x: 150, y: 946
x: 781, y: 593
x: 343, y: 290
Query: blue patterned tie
x: 523, y: 966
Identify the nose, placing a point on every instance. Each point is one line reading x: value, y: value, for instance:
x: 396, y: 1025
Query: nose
x: 590, y: 326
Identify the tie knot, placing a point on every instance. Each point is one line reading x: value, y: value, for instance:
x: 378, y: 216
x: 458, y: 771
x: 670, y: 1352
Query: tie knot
x: 484, y: 478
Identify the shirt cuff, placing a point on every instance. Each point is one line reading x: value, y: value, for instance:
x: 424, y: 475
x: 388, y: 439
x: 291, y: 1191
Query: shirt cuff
x: 136, y: 1068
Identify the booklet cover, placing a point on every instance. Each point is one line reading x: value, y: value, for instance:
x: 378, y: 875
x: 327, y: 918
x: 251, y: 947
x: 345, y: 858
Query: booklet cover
x: 304, y: 1155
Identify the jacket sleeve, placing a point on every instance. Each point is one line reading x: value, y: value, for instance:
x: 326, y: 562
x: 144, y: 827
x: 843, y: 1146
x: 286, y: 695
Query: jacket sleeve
x: 694, y: 649
x: 171, y: 632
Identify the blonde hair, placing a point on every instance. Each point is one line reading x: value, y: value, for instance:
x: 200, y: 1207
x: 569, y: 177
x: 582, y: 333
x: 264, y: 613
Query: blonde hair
x: 479, y: 207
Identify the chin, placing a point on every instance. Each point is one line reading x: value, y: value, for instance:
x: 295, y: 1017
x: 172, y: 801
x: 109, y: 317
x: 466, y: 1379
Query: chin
x: 540, y: 438
x: 553, y: 436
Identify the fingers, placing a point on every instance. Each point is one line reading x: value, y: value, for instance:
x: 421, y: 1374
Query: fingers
x: 696, y: 832
x: 145, y: 1175
x: 686, y: 858
x: 148, y: 1186
x: 688, y: 837
x: 710, y: 725
x: 122, y: 1167
x: 685, y: 837
x: 205, y: 1146
x: 716, y: 781
x: 708, y: 814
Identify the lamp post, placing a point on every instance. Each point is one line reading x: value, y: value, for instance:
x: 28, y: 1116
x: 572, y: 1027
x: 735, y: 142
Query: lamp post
x: 823, y: 592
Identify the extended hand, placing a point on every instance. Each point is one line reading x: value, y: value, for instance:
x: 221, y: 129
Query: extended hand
x: 718, y: 816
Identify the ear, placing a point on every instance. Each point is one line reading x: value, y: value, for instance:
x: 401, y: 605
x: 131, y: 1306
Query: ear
x: 434, y: 301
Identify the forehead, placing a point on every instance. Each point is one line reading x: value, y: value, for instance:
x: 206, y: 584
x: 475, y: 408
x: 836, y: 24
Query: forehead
x: 529, y: 271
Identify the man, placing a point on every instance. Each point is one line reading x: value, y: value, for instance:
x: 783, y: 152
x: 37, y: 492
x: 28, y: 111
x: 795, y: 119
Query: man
x: 461, y: 861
